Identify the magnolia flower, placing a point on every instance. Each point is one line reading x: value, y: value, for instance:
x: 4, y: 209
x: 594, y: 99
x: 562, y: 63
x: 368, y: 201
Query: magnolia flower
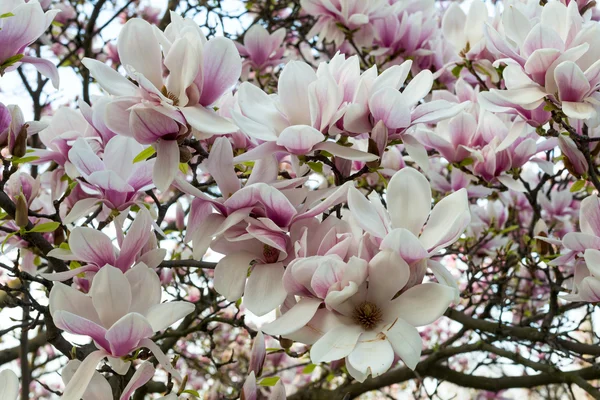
x: 586, y: 282
x: 14, y: 131
x: 548, y: 60
x: 113, y: 180
x: 354, y: 15
x: 409, y: 228
x: 261, y: 48
x: 317, y: 280
x: 158, y: 110
x: 258, y: 354
x: 9, y: 385
x: 465, y: 31
x: 577, y: 243
x: 95, y: 249
x: 294, y: 122
x: 21, y: 24
x: 121, y: 313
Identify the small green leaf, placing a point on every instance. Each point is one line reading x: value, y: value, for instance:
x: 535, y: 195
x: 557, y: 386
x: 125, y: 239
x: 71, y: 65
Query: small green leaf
x: 11, y: 61
x: 309, y: 369
x: 577, y: 186
x: 144, y: 154
x: 46, y: 227
x: 192, y: 392
x: 270, y: 381
x: 466, y: 161
x: 183, y: 167
x: 6, y: 239
x: 456, y: 70
x: 316, y: 166
x: 22, y: 160
x: 6, y: 15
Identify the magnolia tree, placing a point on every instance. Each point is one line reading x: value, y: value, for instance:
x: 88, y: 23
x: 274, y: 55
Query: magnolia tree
x: 303, y: 199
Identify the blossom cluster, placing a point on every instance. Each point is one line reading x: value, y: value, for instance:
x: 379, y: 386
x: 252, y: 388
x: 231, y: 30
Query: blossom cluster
x: 338, y: 188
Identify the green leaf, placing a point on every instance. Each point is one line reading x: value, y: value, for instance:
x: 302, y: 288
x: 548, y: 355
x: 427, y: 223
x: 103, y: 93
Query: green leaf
x: 144, y: 154
x: 6, y: 15
x: 577, y: 186
x: 192, y: 392
x: 22, y: 160
x: 6, y: 239
x: 456, y: 70
x: 466, y: 161
x: 316, y: 166
x: 183, y: 167
x: 270, y: 381
x: 11, y: 60
x: 509, y: 229
x: 46, y: 227
x: 309, y: 369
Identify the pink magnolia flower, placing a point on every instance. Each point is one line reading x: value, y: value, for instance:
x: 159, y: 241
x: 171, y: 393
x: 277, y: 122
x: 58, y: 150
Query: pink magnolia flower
x: 261, y: 48
x: 120, y: 314
x: 464, y: 31
x: 406, y: 30
x: 575, y: 244
x: 9, y: 385
x: 372, y: 325
x: 549, y: 59
x: 12, y: 124
x: 586, y: 282
x: 94, y: 249
x: 296, y: 121
x: 158, y: 110
x: 354, y: 15
x: 65, y: 126
x: 22, y: 24
x: 409, y: 228
x: 316, y: 280
x: 113, y: 180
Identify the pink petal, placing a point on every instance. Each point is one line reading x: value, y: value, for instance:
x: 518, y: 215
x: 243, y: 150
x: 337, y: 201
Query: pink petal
x: 111, y: 295
x: 92, y: 246
x: 221, y: 69
x: 125, y: 335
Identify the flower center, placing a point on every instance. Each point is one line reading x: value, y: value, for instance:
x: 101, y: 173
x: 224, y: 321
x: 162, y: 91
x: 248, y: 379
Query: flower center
x: 270, y: 254
x: 367, y: 314
x: 170, y: 96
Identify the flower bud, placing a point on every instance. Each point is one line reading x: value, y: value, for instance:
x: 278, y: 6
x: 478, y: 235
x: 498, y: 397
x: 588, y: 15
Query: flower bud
x: 258, y: 354
x: 20, y: 147
x: 22, y: 212
x: 285, y: 343
x: 185, y: 154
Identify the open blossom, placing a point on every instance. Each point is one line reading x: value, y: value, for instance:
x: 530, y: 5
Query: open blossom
x: 22, y: 23
x: 95, y: 249
x: 296, y: 121
x: 261, y: 48
x: 158, y: 110
x: 409, y: 228
x: 353, y: 15
x: 121, y: 313
x: 114, y: 180
x: 555, y: 58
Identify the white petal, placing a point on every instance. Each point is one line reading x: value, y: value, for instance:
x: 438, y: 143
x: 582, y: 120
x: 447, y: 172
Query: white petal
x: 335, y: 344
x: 264, y: 290
x: 230, y: 274
x: 409, y: 200
x: 422, y: 304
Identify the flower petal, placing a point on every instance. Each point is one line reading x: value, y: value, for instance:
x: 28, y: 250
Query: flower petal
x: 422, y: 304
x: 111, y: 294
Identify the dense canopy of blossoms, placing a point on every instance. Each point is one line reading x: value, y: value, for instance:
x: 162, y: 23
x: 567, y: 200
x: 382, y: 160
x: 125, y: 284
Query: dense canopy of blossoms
x: 340, y: 196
